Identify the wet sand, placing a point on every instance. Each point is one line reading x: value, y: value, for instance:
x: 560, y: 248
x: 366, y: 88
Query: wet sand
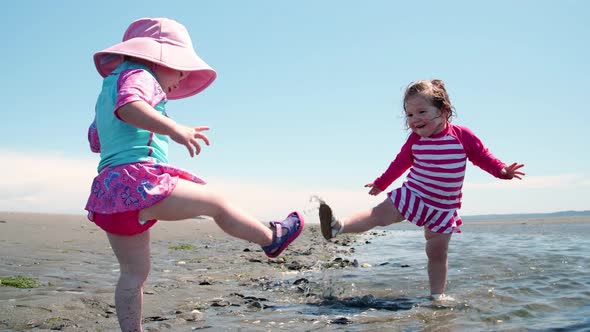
x: 201, y: 278
x: 198, y: 274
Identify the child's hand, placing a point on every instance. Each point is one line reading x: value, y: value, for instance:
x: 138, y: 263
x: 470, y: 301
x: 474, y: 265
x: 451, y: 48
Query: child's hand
x: 512, y: 171
x: 374, y: 190
x: 188, y: 136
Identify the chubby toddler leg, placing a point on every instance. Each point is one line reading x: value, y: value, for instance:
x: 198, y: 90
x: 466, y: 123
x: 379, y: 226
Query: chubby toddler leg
x: 190, y: 199
x: 381, y: 215
x: 133, y: 254
x: 437, y: 247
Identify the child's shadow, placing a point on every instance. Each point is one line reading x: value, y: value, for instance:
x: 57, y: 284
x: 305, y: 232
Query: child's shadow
x: 352, y: 305
x: 362, y: 303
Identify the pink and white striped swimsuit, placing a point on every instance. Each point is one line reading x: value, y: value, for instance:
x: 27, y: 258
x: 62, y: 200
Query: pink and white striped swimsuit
x: 431, y: 194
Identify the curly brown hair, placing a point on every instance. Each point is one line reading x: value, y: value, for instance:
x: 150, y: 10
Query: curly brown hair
x: 434, y: 91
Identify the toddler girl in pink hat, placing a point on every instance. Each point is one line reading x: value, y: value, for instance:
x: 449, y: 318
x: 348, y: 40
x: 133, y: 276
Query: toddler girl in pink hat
x: 136, y: 186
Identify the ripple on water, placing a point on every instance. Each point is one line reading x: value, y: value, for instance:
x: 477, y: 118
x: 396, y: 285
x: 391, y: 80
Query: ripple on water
x: 522, y: 313
x: 568, y: 283
x: 572, y: 301
x: 507, y: 281
x: 540, y: 307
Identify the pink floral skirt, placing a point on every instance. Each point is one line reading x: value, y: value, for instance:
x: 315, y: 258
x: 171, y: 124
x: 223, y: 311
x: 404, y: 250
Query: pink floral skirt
x: 121, y: 189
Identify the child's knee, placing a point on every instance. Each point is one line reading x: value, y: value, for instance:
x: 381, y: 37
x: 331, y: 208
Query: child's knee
x: 437, y: 250
x: 221, y: 207
x: 436, y: 254
x: 135, y: 278
x: 136, y: 273
x: 386, y: 214
x: 384, y: 221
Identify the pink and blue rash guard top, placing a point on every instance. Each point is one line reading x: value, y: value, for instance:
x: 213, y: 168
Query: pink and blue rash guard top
x: 437, y: 165
x: 117, y: 141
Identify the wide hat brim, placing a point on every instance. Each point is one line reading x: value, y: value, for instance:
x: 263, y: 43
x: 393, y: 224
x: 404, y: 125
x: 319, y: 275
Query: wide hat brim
x: 200, y: 74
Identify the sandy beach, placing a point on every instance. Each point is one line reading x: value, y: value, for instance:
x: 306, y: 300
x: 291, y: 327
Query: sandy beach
x: 198, y: 272
x: 201, y: 278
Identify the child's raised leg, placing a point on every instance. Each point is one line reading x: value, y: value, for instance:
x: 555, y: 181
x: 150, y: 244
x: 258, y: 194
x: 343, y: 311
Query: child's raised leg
x: 383, y: 214
x: 437, y: 247
x: 190, y: 199
x: 133, y: 254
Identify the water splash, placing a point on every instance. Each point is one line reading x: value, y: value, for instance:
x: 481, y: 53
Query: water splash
x: 316, y: 199
x: 314, y: 204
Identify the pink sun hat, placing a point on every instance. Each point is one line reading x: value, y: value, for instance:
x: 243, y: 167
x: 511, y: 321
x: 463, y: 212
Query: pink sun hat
x: 165, y: 42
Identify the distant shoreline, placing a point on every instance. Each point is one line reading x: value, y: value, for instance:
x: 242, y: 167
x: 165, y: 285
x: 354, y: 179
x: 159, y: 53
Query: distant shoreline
x: 558, y: 214
x: 529, y: 220
x: 576, y: 217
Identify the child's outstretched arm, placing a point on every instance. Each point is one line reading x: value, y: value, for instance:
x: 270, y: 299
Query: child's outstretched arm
x: 398, y: 166
x: 484, y: 159
x: 143, y: 115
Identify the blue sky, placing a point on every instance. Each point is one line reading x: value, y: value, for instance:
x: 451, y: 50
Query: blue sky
x: 308, y: 97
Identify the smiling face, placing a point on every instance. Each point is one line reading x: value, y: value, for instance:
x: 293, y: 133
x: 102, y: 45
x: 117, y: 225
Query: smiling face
x: 169, y: 78
x: 423, y: 117
x: 427, y: 107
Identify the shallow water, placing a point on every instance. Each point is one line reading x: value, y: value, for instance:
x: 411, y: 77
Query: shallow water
x: 516, y: 277
x: 502, y: 278
x: 508, y: 277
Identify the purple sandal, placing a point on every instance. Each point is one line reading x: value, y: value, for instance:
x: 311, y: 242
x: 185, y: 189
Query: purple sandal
x: 294, y: 225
